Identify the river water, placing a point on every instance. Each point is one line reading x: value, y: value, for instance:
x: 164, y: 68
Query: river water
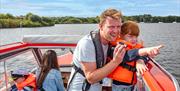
x: 152, y: 34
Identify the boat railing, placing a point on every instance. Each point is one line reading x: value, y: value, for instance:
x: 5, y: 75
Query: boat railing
x: 7, y: 55
x: 12, y: 50
x: 175, y: 82
x: 158, y: 79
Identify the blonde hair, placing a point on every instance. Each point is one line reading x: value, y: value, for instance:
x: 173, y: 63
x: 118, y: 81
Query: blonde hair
x: 130, y: 27
x: 113, y: 13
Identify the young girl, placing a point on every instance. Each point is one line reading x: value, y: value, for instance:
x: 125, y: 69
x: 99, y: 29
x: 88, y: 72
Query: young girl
x: 124, y: 76
x: 49, y: 78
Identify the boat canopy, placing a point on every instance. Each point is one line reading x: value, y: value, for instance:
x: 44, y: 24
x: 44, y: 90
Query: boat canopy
x: 68, y: 39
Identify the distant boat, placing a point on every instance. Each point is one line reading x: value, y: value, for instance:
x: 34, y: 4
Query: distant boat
x: 174, y: 22
x: 160, y: 22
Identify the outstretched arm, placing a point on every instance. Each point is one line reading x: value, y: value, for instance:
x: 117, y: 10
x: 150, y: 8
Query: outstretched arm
x: 150, y: 51
x: 136, y: 54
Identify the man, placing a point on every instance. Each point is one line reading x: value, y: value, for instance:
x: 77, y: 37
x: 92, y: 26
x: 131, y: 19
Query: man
x: 91, y: 51
x: 84, y: 54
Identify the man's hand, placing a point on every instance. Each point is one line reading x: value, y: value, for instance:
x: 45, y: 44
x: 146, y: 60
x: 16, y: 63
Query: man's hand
x: 94, y: 75
x: 118, y: 54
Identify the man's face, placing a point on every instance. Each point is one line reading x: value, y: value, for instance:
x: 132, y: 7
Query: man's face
x: 110, y: 29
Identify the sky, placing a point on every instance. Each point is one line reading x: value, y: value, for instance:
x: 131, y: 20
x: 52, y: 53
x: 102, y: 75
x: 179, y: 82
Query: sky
x: 89, y: 8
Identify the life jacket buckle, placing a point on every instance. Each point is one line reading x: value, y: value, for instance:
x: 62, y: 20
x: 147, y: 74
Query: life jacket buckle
x: 133, y: 69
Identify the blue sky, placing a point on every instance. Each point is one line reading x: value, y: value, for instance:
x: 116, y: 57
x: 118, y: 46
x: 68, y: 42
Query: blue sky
x: 89, y: 8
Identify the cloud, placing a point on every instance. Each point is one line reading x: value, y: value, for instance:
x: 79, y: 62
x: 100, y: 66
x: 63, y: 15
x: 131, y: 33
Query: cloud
x: 85, y: 8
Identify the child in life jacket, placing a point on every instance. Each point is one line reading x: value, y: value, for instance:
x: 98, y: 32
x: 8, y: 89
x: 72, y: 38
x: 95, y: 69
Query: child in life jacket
x: 124, y: 76
x: 23, y: 80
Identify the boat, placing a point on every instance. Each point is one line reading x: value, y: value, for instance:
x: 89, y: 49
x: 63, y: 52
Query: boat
x: 155, y: 79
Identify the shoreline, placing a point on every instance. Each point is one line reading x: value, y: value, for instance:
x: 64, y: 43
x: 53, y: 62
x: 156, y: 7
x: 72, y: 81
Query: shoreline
x: 79, y: 24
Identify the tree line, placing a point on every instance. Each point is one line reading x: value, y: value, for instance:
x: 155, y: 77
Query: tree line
x: 29, y: 20
x: 32, y: 20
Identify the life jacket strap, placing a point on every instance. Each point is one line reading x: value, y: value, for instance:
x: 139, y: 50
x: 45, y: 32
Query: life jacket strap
x: 95, y: 35
x: 78, y: 70
x: 129, y: 67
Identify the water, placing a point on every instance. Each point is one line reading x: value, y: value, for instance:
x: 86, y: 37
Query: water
x: 151, y: 33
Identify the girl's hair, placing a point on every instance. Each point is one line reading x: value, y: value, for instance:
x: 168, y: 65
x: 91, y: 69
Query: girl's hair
x: 130, y: 27
x: 49, y: 62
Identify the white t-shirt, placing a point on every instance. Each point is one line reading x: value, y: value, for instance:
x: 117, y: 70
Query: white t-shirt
x: 85, y: 52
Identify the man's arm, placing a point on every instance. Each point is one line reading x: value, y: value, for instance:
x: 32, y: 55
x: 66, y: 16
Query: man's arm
x: 94, y: 75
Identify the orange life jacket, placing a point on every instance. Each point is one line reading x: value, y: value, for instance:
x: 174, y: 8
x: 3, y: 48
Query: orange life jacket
x: 121, y: 73
x: 29, y: 81
x: 129, y: 45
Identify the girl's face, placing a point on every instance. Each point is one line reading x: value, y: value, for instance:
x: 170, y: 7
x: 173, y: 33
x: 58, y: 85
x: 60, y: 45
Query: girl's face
x: 20, y: 80
x: 131, y: 38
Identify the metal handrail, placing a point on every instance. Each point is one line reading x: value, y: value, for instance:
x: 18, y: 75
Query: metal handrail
x: 5, y: 75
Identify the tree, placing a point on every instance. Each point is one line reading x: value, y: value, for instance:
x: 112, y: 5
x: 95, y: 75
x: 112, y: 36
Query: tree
x: 73, y: 21
x: 47, y: 19
x: 3, y: 16
x: 28, y: 15
x: 35, y: 18
x: 10, y: 16
x: 147, y: 17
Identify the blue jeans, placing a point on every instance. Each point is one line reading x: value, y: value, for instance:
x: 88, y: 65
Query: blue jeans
x: 122, y: 88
